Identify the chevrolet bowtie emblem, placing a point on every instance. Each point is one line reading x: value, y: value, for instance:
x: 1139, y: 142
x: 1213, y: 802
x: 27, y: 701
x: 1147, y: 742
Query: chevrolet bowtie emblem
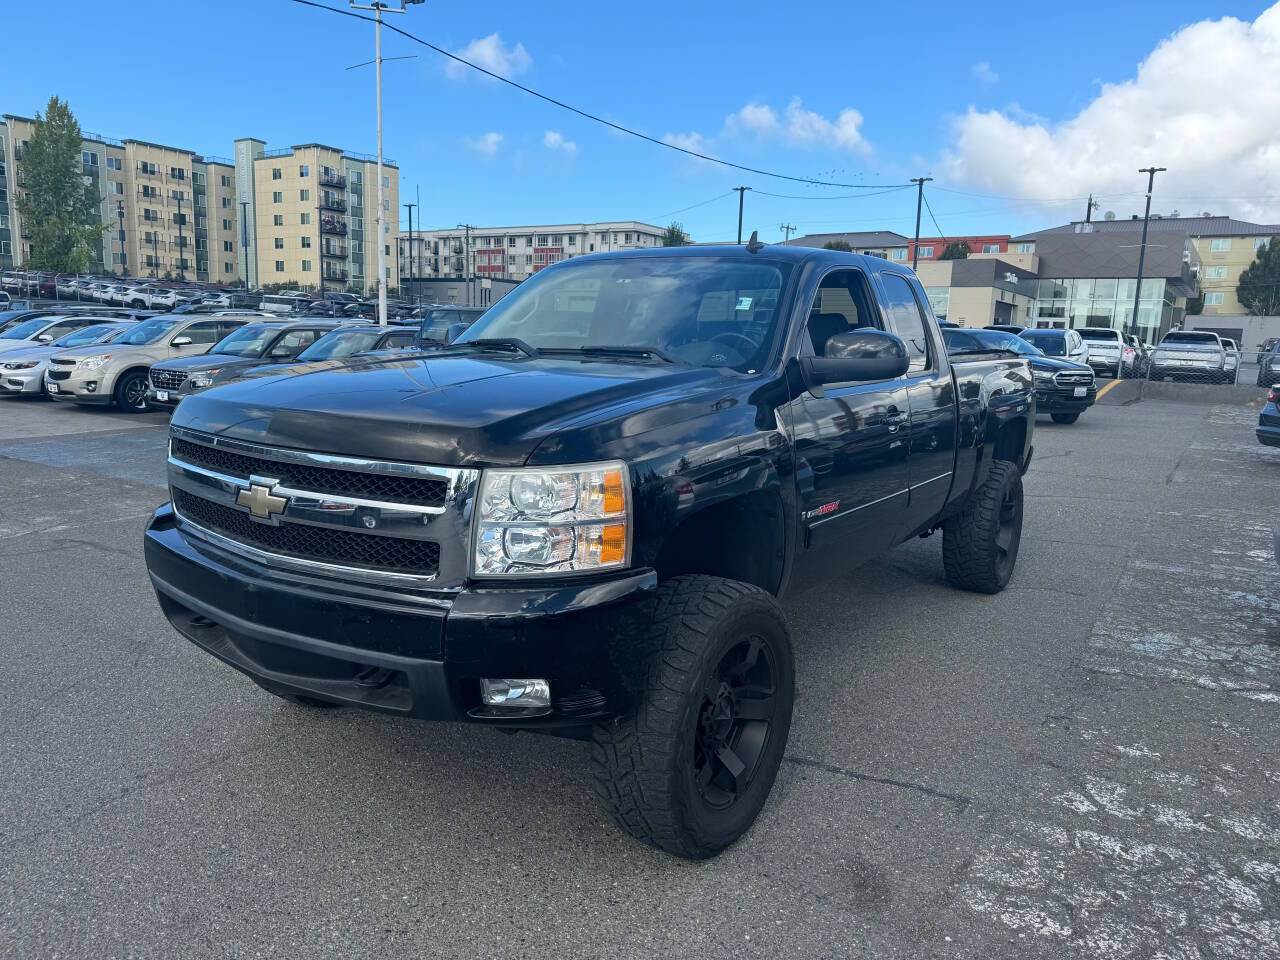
x: 261, y: 501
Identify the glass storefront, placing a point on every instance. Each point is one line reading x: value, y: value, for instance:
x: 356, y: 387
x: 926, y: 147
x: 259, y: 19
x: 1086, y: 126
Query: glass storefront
x: 1103, y: 302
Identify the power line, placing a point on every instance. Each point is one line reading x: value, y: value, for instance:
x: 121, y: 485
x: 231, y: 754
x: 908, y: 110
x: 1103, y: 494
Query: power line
x: 845, y: 196
x: 933, y: 218
x: 703, y: 203
x: 586, y: 115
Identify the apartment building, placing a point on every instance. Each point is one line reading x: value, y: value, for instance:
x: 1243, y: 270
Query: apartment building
x: 312, y: 216
x: 518, y: 252
x: 165, y: 211
x: 874, y: 243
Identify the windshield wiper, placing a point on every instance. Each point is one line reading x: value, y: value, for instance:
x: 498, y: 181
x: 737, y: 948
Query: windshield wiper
x: 512, y: 343
x: 619, y: 350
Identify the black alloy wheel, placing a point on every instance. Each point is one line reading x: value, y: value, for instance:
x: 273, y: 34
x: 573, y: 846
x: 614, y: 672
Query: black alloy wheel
x: 1008, y: 531
x: 131, y: 395
x: 734, y: 723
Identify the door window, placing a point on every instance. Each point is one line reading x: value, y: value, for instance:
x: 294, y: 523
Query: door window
x: 908, y: 320
x: 206, y: 332
x: 295, y: 341
x: 226, y: 326
x: 843, y: 302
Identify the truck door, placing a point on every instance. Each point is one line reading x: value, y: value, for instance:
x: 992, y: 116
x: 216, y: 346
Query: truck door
x: 850, y: 445
x: 930, y: 396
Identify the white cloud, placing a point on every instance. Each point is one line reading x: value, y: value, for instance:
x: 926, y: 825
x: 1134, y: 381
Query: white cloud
x: 797, y: 126
x: 1205, y: 103
x: 554, y: 140
x: 688, y: 141
x: 984, y: 74
x: 486, y: 144
x: 490, y: 53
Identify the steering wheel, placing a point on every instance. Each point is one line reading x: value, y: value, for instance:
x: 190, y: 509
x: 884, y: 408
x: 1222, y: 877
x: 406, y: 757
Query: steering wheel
x: 752, y: 346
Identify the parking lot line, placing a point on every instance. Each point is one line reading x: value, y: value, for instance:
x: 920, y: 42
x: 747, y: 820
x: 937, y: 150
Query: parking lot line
x: 1103, y: 392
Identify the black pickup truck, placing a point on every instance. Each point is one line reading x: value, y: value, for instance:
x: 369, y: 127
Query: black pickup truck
x: 578, y: 516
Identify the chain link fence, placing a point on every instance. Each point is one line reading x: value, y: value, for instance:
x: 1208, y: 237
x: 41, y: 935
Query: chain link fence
x: 1190, y: 356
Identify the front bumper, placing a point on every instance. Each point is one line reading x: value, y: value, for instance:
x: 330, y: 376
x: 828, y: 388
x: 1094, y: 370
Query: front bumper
x: 402, y: 650
x: 29, y: 382
x: 1177, y: 371
x: 1063, y: 399
x: 172, y: 397
x: 79, y: 387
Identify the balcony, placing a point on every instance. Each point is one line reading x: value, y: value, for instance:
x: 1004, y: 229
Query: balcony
x: 331, y: 201
x: 334, y: 273
x: 333, y: 225
x: 331, y: 178
x: 337, y: 251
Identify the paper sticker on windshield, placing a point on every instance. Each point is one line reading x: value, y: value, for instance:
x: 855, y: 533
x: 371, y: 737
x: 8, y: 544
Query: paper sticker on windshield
x: 744, y: 303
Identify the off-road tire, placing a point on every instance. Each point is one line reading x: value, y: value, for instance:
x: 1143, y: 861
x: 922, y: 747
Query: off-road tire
x: 313, y: 703
x: 646, y: 763
x: 971, y: 554
x: 1065, y: 417
x: 123, y: 389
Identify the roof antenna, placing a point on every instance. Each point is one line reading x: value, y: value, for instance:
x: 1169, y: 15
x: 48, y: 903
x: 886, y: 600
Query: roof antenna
x: 754, y: 245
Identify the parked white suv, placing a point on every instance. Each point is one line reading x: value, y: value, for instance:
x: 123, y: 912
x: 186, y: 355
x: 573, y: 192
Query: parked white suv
x: 1109, y: 353
x: 152, y: 297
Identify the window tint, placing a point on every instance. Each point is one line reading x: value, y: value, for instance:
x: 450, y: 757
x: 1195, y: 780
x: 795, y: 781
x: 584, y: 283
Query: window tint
x: 206, y: 332
x: 959, y: 340
x: 907, y: 320
x: 842, y: 303
x: 295, y: 341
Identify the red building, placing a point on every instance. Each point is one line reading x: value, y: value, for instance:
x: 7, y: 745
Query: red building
x: 931, y: 247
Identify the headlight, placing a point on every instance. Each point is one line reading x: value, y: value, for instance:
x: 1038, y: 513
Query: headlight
x: 201, y: 380
x: 1042, y: 379
x: 553, y: 520
x: 93, y: 363
x: 20, y: 365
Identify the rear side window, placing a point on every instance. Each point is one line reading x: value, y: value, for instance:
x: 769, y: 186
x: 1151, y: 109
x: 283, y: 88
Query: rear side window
x: 206, y: 332
x: 907, y: 320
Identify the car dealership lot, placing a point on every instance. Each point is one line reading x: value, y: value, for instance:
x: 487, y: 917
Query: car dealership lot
x: 1084, y: 765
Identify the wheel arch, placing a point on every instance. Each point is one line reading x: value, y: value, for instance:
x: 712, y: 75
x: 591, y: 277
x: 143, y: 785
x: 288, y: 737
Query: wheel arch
x: 742, y: 538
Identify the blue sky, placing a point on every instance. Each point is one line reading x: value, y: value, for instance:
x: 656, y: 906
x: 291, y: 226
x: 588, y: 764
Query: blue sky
x: 1007, y: 104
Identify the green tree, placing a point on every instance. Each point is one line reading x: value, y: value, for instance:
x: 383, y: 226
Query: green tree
x: 57, y: 205
x: 1259, y: 287
x: 956, y: 250
x: 674, y: 235
x: 837, y: 245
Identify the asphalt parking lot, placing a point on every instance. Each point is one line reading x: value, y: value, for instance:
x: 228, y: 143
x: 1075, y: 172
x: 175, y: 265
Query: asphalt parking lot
x: 1083, y: 766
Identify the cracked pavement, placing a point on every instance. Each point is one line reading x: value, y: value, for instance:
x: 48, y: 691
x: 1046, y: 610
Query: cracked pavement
x: 1082, y: 766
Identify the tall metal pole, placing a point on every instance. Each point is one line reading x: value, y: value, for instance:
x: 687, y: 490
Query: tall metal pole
x: 120, y: 215
x: 742, y: 192
x: 787, y: 229
x: 915, y: 247
x: 1142, y: 248
x: 411, y: 286
x: 181, y: 249
x: 244, y: 239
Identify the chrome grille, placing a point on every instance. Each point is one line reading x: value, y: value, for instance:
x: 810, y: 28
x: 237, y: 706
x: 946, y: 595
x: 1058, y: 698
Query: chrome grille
x: 1069, y: 378
x: 324, y: 544
x: 167, y: 379
x: 59, y: 374
x: 420, y: 491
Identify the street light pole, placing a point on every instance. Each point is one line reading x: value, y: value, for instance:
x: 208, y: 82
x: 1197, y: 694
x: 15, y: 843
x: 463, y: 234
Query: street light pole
x: 378, y: 7
x: 742, y: 192
x: 1142, y: 248
x: 120, y: 216
x: 181, y: 249
x: 466, y: 263
x: 244, y: 239
x: 411, y: 286
x: 915, y: 248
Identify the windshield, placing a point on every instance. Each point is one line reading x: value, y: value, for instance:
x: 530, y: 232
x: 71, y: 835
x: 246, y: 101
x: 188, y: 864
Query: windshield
x: 1100, y: 336
x: 250, y: 340
x: 28, y: 328
x: 704, y: 311
x: 86, y: 335
x: 1191, y: 341
x: 149, y: 331
x: 1052, y: 343
x: 436, y: 329
x: 340, y: 343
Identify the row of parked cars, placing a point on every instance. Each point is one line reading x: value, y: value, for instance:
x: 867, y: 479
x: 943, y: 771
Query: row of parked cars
x: 141, y: 361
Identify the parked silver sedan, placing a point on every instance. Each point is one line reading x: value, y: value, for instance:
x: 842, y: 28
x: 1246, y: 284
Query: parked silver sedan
x: 22, y: 371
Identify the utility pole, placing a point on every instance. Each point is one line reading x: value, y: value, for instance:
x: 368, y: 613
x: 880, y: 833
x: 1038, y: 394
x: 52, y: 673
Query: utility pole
x: 155, y: 254
x: 412, y: 299
x: 1088, y: 210
x: 466, y: 262
x: 742, y: 192
x: 181, y: 248
x: 787, y: 229
x: 244, y: 239
x: 120, y: 215
x: 378, y: 7
x: 1142, y: 249
x: 915, y: 247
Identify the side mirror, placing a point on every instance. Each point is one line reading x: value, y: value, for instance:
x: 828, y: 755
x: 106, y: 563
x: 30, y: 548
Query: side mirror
x: 454, y: 331
x: 44, y: 338
x: 180, y: 341
x: 280, y: 353
x: 857, y: 356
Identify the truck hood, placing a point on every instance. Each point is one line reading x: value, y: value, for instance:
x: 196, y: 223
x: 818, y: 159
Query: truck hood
x: 453, y: 410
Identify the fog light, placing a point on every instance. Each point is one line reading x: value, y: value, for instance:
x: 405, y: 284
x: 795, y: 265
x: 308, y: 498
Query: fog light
x: 515, y: 693
x: 91, y: 386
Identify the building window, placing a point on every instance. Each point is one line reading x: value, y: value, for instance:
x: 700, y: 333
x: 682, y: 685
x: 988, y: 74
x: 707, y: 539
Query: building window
x: 147, y: 167
x: 304, y: 170
x: 1216, y: 273
x: 277, y: 220
x: 304, y: 195
x: 898, y: 253
x: 306, y: 266
x: 1214, y: 299
x: 277, y: 197
x: 306, y: 241
x: 227, y: 246
x: 226, y: 224
x: 615, y: 238
x: 1025, y: 248
x: 511, y: 241
x: 279, y: 266
x: 991, y: 248
x: 924, y: 252
x: 1220, y: 245
x: 528, y: 259
x: 197, y: 177
x: 88, y: 158
x: 387, y: 251
x: 116, y: 187
x: 542, y: 239
x: 226, y: 267
x: 573, y: 240
x: 275, y: 173
x: 305, y: 219
x: 1259, y: 243
x: 177, y: 173
x: 386, y: 181
x: 558, y: 239
x: 226, y: 202
x: 511, y: 260
x: 226, y: 180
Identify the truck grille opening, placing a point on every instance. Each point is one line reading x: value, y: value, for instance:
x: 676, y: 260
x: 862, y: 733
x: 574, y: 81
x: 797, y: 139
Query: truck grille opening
x: 323, y: 544
x: 420, y: 491
x: 167, y: 379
